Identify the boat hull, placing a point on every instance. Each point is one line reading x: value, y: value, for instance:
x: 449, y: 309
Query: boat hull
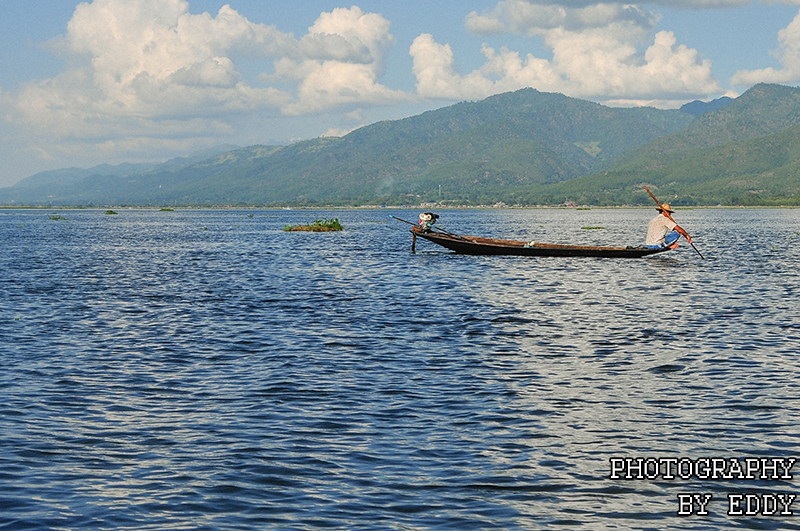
x: 491, y: 246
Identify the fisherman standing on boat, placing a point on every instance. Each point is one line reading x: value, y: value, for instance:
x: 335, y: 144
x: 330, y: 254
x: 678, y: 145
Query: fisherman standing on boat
x: 663, y: 232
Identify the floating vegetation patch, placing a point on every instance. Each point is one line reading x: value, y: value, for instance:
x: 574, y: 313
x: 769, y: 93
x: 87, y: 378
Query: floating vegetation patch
x: 110, y: 213
x: 320, y: 225
x: 56, y: 217
x: 167, y: 209
x: 593, y: 228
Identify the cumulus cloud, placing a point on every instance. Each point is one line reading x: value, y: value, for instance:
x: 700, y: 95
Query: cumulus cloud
x: 604, y: 52
x: 521, y: 16
x: 148, y: 69
x: 788, y: 54
x: 343, y: 55
x: 140, y: 56
x: 436, y: 74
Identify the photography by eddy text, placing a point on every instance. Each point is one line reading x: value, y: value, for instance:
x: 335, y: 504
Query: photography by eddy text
x: 715, y: 468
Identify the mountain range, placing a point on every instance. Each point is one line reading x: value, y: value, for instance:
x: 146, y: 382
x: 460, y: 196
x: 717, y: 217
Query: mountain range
x: 524, y: 147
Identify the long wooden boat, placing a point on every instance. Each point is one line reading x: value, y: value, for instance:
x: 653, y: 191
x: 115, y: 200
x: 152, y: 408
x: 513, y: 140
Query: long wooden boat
x: 491, y: 246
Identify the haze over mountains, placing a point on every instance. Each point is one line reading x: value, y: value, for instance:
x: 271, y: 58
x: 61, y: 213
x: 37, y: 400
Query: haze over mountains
x: 524, y: 147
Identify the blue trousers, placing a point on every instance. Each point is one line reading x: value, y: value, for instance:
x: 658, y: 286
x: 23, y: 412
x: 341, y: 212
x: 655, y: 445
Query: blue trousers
x: 669, y: 239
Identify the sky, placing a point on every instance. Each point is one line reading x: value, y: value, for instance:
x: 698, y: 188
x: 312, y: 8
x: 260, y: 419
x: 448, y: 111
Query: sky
x: 111, y: 81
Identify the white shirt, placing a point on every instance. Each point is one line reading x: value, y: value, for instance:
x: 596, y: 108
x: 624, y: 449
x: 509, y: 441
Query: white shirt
x: 659, y: 227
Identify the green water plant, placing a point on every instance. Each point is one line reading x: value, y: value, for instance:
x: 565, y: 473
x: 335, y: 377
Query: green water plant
x: 593, y: 228
x: 320, y: 225
x: 56, y: 217
x: 110, y: 213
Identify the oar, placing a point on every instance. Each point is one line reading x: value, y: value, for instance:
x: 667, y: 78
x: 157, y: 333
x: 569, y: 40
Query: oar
x: 670, y: 217
x: 404, y: 221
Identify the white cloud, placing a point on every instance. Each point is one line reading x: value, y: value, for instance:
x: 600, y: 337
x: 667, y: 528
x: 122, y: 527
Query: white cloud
x: 596, y: 50
x: 788, y: 54
x: 349, y: 35
x: 521, y: 16
x: 343, y: 57
x: 436, y: 74
x: 138, y: 63
x: 140, y: 70
x: 535, y: 16
x: 337, y: 132
x: 139, y: 47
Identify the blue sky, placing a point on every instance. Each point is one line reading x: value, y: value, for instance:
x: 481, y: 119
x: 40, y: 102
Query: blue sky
x: 110, y: 81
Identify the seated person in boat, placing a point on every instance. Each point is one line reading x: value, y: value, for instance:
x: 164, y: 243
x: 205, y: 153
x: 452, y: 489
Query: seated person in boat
x: 663, y: 232
x: 426, y: 221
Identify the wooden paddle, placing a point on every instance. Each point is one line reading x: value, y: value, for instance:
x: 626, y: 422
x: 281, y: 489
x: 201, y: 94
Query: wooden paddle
x: 670, y: 218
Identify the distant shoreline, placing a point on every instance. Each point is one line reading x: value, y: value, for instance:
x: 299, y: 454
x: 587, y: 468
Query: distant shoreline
x: 400, y: 207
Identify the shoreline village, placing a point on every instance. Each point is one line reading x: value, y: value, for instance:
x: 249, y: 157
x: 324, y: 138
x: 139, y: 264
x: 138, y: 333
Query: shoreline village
x: 670, y: 468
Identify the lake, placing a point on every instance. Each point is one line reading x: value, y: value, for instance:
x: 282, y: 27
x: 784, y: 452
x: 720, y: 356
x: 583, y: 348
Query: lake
x: 205, y: 369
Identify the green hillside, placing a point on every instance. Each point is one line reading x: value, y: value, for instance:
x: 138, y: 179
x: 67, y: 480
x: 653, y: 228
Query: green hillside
x: 761, y: 171
x: 473, y: 152
x: 732, y: 156
x: 762, y: 110
x: 524, y: 147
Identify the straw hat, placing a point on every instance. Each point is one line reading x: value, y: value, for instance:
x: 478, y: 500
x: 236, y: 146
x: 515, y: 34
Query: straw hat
x: 666, y: 207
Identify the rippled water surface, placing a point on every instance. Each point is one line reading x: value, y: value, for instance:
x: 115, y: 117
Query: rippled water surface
x: 207, y: 370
